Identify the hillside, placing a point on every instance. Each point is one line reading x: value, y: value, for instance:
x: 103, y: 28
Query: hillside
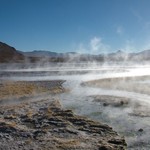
x: 9, y: 54
x: 40, y: 53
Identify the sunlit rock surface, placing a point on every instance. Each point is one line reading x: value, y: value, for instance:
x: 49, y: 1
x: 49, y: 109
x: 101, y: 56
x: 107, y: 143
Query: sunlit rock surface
x: 45, y: 125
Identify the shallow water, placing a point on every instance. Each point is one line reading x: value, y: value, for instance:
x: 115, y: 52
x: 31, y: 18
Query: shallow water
x: 80, y: 101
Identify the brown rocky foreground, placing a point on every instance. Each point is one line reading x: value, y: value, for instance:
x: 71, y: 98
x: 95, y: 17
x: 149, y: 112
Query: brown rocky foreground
x: 45, y: 125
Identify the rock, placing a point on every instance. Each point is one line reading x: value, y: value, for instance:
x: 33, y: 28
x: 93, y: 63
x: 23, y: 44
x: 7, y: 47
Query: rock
x: 105, y: 104
x: 140, y: 130
x: 7, y: 128
x: 45, y: 125
x: 114, y: 101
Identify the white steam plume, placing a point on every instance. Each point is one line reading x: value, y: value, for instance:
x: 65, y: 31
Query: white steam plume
x: 95, y: 46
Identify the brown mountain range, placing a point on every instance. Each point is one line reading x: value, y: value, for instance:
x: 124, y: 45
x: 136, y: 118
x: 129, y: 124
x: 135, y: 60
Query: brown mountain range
x: 10, y: 54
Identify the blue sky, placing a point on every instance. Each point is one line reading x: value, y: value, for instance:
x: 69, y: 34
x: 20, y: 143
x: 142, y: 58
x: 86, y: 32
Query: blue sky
x: 88, y: 26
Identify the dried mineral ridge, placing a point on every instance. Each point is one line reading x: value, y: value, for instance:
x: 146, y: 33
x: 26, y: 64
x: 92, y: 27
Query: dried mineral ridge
x: 44, y: 125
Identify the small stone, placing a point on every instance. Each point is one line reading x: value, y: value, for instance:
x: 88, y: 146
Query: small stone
x: 105, y: 104
x: 140, y: 130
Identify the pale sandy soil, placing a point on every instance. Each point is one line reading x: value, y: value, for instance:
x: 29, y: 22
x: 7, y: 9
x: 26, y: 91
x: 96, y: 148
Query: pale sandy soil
x: 18, y: 89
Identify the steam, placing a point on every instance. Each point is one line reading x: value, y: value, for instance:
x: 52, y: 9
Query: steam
x: 120, y: 30
x: 95, y: 46
x: 81, y: 98
x: 129, y: 46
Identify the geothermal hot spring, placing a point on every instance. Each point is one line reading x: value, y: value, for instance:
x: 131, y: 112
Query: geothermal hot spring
x: 100, y: 99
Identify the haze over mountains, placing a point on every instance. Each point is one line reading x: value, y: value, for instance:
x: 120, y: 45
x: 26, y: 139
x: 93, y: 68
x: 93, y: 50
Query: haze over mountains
x: 10, y: 54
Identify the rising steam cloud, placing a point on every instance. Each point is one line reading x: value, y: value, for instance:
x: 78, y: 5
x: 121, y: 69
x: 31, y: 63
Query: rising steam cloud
x: 95, y: 46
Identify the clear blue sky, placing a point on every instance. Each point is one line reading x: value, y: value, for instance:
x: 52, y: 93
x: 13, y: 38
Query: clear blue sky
x: 92, y: 26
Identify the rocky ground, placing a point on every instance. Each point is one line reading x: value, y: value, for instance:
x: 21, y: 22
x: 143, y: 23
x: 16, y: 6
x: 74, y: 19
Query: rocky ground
x: 114, y: 101
x: 135, y: 84
x: 138, y: 109
x: 44, y: 124
x: 20, y: 89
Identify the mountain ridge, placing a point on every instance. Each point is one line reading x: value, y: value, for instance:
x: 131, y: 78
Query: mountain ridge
x: 10, y: 54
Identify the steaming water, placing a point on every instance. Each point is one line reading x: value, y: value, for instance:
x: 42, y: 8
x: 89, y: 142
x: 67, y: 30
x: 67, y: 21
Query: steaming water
x: 80, y: 101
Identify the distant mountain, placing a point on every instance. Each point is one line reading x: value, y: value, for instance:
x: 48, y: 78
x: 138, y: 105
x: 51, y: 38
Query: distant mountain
x: 119, y: 56
x: 44, y: 53
x: 123, y: 56
x: 9, y: 54
x: 144, y: 55
x: 40, y: 53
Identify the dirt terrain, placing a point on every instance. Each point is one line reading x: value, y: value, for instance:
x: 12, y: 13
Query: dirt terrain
x: 45, y: 124
x: 19, y: 89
